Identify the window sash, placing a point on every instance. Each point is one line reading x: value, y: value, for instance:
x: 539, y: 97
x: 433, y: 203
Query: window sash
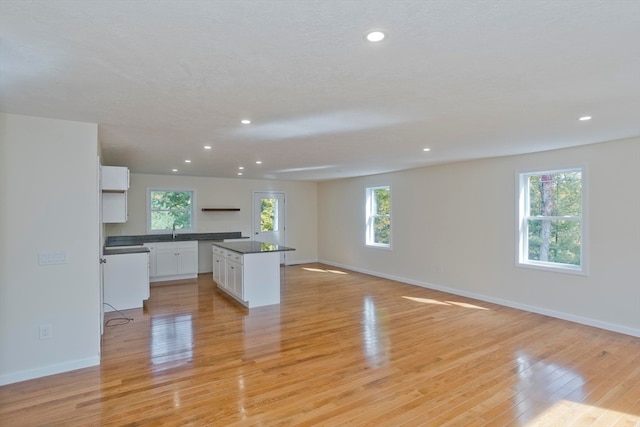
x: 524, y: 255
x: 186, y: 215
x: 373, y: 217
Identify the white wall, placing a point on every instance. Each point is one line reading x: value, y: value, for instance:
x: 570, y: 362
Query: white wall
x: 301, y: 208
x: 454, y: 228
x: 48, y: 185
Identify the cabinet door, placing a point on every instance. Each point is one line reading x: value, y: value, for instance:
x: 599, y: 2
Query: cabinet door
x: 166, y: 261
x: 218, y: 267
x: 232, y: 273
x: 187, y: 260
x: 239, y: 286
x: 114, y: 178
x: 114, y: 207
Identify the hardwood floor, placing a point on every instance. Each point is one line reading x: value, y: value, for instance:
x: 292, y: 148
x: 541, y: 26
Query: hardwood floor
x: 342, y: 348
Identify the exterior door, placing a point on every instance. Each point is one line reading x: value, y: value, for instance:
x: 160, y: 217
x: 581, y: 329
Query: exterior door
x: 269, y: 219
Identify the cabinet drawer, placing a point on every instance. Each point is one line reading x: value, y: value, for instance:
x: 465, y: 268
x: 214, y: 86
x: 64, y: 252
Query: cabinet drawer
x: 234, y: 257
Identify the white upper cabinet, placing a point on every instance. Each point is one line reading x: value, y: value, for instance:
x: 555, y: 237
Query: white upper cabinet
x: 114, y: 181
x: 115, y: 178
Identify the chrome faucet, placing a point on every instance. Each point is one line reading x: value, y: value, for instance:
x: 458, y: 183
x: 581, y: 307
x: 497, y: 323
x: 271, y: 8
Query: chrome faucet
x: 174, y: 231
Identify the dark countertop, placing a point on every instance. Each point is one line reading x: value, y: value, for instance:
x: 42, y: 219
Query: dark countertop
x: 123, y: 251
x: 252, y: 247
x: 167, y: 237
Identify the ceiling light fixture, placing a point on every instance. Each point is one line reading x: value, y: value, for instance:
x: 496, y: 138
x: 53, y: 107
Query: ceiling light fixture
x: 426, y: 149
x: 174, y: 170
x: 375, y: 36
x: 187, y: 161
x: 240, y: 167
x: 240, y: 173
x: 584, y: 118
x: 245, y: 121
x: 207, y: 147
x: 258, y: 162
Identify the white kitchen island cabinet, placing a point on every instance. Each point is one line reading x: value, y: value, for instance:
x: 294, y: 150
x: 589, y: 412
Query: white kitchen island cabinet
x: 248, y: 271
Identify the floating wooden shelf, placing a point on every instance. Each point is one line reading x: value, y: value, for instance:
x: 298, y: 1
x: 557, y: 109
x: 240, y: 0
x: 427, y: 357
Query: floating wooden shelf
x: 219, y: 209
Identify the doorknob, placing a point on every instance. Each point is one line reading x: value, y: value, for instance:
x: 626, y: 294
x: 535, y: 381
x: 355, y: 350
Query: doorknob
x: 256, y: 233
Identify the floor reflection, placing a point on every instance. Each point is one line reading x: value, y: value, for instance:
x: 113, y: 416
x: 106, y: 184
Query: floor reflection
x: 541, y: 385
x: 171, y: 339
x: 375, y: 333
x: 262, y: 333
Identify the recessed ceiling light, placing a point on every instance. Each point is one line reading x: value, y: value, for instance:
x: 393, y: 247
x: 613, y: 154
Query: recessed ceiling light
x: 375, y: 36
x: 187, y: 161
x: 207, y: 147
x: 258, y: 162
x: 245, y: 121
x: 240, y: 167
x: 174, y: 170
x: 240, y: 173
x: 426, y: 149
x: 584, y: 118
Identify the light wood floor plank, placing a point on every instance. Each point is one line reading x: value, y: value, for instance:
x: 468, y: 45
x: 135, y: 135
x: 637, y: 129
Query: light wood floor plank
x: 342, y: 348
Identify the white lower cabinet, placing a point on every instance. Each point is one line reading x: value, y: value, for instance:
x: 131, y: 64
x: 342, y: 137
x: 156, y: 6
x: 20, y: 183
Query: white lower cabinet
x: 126, y: 280
x: 173, y: 260
x: 253, y: 279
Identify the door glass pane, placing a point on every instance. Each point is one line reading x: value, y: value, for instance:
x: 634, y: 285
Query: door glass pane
x: 268, y: 214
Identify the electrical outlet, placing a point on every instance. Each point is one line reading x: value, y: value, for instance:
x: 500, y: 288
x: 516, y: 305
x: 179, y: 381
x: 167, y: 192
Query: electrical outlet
x: 45, y: 332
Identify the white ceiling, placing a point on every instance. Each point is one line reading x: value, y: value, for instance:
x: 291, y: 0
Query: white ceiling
x: 466, y: 78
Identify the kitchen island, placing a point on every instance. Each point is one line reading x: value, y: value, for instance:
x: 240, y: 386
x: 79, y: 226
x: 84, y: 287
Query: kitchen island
x: 248, y: 271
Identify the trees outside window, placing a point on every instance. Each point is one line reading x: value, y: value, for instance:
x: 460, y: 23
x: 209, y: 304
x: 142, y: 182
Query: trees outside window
x: 551, y: 222
x: 378, y: 216
x: 170, y: 208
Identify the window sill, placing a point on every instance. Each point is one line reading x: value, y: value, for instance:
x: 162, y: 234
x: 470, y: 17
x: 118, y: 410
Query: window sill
x: 560, y: 268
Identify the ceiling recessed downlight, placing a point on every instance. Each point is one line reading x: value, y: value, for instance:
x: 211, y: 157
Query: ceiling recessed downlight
x: 240, y: 173
x: 187, y: 161
x: 207, y: 147
x: 258, y: 162
x: 245, y: 121
x: 426, y: 149
x: 584, y: 118
x: 174, y: 170
x: 240, y: 167
x: 375, y: 36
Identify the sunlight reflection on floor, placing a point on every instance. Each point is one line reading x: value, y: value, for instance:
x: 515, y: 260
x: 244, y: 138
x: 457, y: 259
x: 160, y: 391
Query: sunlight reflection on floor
x: 433, y: 301
x: 320, y: 270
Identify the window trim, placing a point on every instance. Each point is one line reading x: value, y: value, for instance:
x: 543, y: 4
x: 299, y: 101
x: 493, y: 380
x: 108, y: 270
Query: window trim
x: 170, y: 189
x: 522, y: 177
x: 368, y: 238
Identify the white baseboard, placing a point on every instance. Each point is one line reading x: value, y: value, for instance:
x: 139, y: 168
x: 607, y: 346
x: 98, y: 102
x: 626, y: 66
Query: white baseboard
x: 634, y: 332
x: 300, y: 261
x: 44, y: 371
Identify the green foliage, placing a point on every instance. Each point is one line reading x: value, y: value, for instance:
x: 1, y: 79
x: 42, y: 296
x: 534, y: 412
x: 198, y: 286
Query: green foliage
x: 557, y: 195
x: 268, y: 209
x: 382, y: 223
x: 169, y: 208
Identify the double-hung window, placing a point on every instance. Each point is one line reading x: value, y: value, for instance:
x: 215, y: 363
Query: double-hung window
x: 378, y: 216
x: 551, y: 224
x: 170, y: 209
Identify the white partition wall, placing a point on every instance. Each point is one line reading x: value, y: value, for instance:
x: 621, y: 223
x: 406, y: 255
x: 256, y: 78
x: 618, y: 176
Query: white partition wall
x: 49, y: 245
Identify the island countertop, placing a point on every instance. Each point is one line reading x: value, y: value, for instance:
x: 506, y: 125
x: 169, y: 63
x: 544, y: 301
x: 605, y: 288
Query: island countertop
x: 252, y: 247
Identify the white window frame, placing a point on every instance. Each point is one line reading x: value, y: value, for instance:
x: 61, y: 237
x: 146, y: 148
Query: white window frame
x: 370, y: 215
x: 522, y: 232
x: 179, y: 190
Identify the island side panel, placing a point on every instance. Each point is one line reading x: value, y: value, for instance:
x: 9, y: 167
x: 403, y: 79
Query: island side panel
x: 262, y: 278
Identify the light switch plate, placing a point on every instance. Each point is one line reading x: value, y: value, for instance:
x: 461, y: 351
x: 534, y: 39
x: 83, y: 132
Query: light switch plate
x: 52, y: 257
